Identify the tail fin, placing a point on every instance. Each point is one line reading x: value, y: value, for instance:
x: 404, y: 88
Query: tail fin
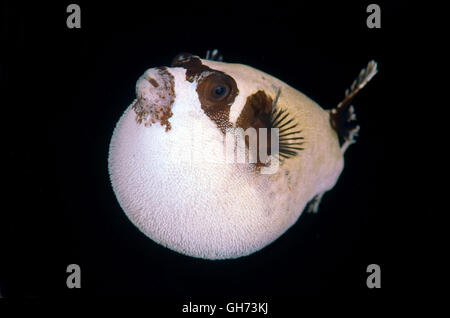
x: 343, y: 117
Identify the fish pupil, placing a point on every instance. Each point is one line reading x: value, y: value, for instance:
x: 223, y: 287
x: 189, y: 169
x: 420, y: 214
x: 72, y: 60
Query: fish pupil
x: 219, y: 91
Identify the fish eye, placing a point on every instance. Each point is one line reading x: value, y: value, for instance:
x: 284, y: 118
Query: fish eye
x: 219, y: 91
x: 216, y: 90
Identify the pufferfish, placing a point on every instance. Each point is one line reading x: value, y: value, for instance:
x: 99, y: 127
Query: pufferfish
x: 178, y: 183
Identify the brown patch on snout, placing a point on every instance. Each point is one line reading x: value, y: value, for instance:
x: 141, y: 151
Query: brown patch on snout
x: 153, y: 81
x: 154, y: 104
x: 215, y: 89
x: 257, y: 114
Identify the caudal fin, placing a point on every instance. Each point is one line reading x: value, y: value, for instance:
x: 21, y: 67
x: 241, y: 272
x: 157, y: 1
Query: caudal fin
x: 343, y: 117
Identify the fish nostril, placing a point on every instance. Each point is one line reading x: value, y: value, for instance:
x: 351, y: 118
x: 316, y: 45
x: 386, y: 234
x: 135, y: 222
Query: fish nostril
x: 151, y: 80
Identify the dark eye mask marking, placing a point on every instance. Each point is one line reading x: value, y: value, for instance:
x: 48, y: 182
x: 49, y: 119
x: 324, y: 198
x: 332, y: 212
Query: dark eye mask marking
x: 215, y: 89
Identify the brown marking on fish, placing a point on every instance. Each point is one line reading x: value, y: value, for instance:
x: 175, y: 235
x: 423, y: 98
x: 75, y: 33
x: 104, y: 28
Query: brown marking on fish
x: 217, y: 108
x: 153, y: 82
x: 193, y: 65
x: 257, y: 114
x: 156, y: 104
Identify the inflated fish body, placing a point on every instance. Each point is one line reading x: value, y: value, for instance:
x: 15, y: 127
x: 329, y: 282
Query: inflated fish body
x: 180, y: 181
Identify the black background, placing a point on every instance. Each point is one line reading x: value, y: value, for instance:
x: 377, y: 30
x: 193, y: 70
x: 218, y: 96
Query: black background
x: 66, y: 89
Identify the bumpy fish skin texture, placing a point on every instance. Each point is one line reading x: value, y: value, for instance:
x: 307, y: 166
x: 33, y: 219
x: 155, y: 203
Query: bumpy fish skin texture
x: 180, y: 193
